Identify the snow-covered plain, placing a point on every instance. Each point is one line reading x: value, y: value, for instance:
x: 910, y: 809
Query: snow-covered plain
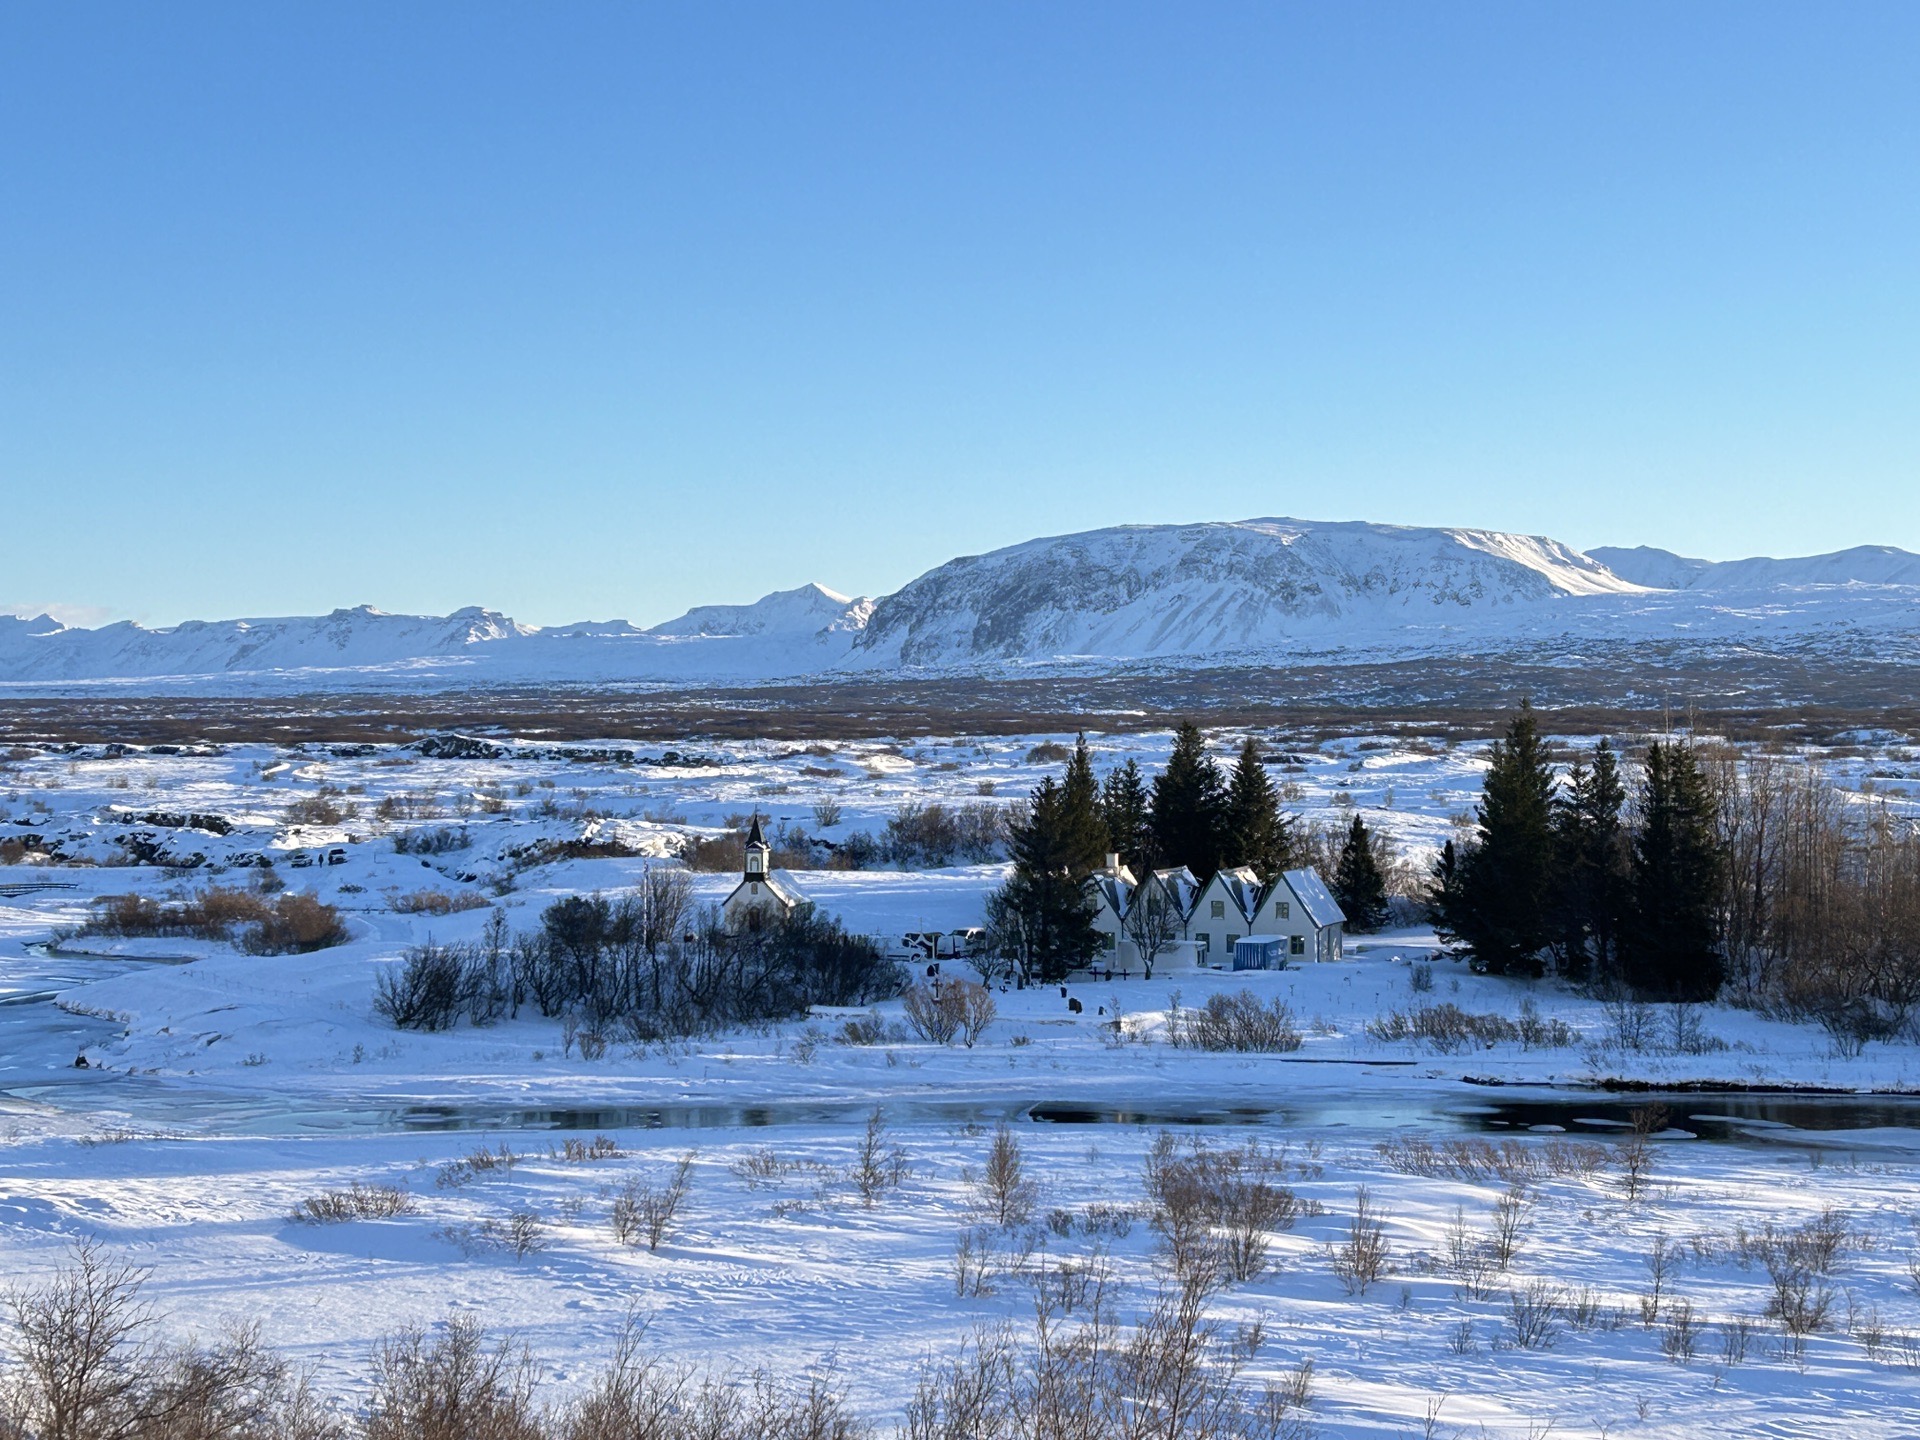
x: 223, y: 1090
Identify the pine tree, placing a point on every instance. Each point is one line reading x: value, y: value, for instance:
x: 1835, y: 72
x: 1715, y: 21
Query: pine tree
x: 1083, y: 834
x: 1123, y: 809
x: 1594, y: 860
x: 1255, y: 832
x: 1444, y: 901
x: 1189, y: 806
x: 1506, y: 892
x: 1671, y: 948
x: 1042, y: 918
x: 1357, y: 882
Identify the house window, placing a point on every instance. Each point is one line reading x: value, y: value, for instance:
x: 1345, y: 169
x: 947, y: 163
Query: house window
x: 1107, y: 940
x: 1296, y: 944
x: 1205, y: 941
x: 1282, y: 910
x: 1219, y: 909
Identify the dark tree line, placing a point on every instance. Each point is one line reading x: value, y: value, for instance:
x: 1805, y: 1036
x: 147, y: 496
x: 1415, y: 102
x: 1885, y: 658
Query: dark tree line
x: 1574, y: 872
x: 643, y: 966
x: 1192, y: 815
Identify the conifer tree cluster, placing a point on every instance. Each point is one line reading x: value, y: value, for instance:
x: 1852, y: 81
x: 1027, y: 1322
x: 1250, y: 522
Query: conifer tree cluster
x: 1560, y: 870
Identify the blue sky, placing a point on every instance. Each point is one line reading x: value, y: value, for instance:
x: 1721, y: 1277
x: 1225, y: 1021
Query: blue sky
x: 592, y: 310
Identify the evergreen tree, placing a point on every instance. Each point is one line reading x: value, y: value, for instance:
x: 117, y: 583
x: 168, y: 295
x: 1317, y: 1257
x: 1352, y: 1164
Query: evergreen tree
x: 1444, y: 902
x: 1671, y: 948
x: 1042, y: 918
x: 1357, y: 882
x: 1083, y: 833
x: 1189, y: 806
x: 1594, y: 861
x: 1505, y: 883
x: 1123, y: 809
x: 1255, y: 832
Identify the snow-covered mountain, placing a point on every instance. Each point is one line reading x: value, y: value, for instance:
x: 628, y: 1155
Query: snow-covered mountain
x: 1664, y: 570
x: 1148, y: 591
x: 809, y: 610
x: 1168, y: 596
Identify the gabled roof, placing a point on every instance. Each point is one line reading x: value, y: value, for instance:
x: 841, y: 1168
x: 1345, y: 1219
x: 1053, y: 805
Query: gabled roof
x: 779, y: 884
x: 1243, y: 887
x: 1180, y: 886
x: 1312, y: 893
x: 1117, y: 894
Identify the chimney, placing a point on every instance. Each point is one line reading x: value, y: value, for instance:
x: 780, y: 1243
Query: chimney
x: 1113, y: 859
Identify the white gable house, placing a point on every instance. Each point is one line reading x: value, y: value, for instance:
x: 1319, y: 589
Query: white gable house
x: 1301, y: 908
x: 762, y: 899
x: 1228, y: 909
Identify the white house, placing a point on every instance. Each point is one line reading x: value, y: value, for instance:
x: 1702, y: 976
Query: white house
x: 1227, y: 910
x: 762, y: 899
x: 1233, y: 905
x: 1299, y: 906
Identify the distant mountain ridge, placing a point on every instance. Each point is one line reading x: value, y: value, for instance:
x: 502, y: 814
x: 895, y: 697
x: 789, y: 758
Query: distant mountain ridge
x: 1263, y: 592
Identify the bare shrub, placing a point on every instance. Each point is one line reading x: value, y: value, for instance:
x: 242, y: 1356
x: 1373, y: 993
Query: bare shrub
x: 287, y: 924
x: 1003, y: 1192
x: 1510, y: 1213
x: 520, y: 1233
x: 1680, y: 1337
x: 74, y: 1345
x: 453, y: 1386
x: 436, y: 902
x: 313, y: 810
x: 644, y: 1210
x: 580, y: 1152
x: 1512, y: 1162
x: 1635, y: 1153
x: 1235, y: 1021
x: 877, y: 1165
x: 356, y: 1202
x: 957, y: 1009
x: 471, y: 1167
x: 1533, y: 1311
x: 1360, y: 1259
x: 826, y: 813
x: 1448, y: 1029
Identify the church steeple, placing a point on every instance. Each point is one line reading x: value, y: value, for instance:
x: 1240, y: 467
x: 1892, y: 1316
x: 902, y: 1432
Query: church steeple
x: 757, y: 850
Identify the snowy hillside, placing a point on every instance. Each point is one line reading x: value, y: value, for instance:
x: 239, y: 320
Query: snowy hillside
x: 1253, y: 592
x: 1144, y: 591
x: 1664, y: 570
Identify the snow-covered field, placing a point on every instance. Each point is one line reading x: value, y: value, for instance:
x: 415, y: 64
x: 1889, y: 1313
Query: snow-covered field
x: 223, y: 1091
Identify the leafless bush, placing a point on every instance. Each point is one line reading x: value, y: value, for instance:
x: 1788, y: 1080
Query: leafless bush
x: 79, y: 1371
x: 1680, y: 1337
x: 957, y: 1009
x: 469, y: 1168
x: 452, y: 1386
x: 313, y: 810
x: 644, y: 1210
x: 1170, y: 1374
x: 287, y: 924
x: 1235, y: 1021
x: 1635, y: 1153
x: 436, y: 902
x: 1448, y: 1029
x: 1534, y: 1310
x: 1510, y: 1213
x: 826, y: 813
x: 580, y: 1152
x: 869, y: 1029
x: 1361, y: 1258
x: 877, y: 1165
x: 520, y: 1233
x: 1216, y: 1207
x: 1513, y: 1162
x: 1003, y: 1192
x: 1735, y: 1336
x: 356, y: 1202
